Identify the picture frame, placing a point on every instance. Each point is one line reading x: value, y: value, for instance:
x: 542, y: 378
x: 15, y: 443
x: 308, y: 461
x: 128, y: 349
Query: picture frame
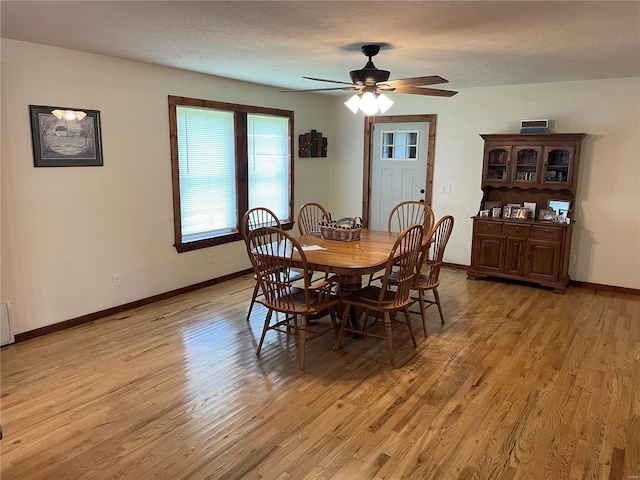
x: 491, y: 205
x: 506, y: 211
x: 560, y: 207
x: 518, y: 212
x: 531, y: 208
x: 484, y: 213
x: 547, y: 215
x: 58, y: 142
x: 495, y: 212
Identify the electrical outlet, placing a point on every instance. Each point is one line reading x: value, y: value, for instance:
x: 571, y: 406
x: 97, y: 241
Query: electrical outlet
x: 115, y: 279
x: 210, y: 258
x: 572, y: 259
x: 446, y: 188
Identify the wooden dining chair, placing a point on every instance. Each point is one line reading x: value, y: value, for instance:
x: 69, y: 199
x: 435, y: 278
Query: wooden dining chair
x: 374, y: 300
x: 404, y: 215
x: 271, y: 251
x: 410, y: 213
x: 309, y: 217
x: 439, y: 237
x: 256, y: 218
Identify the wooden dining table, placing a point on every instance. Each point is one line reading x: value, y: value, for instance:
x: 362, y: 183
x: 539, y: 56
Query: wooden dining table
x: 349, y: 260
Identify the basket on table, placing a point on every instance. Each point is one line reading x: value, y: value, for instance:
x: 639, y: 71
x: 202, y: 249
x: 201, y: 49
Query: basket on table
x: 344, y: 230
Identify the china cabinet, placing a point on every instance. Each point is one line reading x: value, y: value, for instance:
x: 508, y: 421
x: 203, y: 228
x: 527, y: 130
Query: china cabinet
x: 532, y: 168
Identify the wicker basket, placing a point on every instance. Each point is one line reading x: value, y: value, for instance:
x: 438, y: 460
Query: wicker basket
x: 340, y: 234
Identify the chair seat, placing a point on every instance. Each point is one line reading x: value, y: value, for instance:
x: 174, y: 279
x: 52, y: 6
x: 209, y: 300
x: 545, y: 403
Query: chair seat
x: 294, y: 275
x: 423, y: 283
x: 296, y: 303
x: 368, y: 296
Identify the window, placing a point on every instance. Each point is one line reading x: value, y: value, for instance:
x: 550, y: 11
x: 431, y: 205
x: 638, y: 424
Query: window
x: 399, y: 145
x: 226, y: 159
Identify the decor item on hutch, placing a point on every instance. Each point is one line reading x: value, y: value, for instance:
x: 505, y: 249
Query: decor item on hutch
x: 65, y: 137
x: 370, y: 82
x: 518, y: 247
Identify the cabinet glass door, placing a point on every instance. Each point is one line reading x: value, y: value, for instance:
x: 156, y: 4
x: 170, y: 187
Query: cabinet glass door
x: 526, y: 170
x: 557, y: 162
x: 497, y: 164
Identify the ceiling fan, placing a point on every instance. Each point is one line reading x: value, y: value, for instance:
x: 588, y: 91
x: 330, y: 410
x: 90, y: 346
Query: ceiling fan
x: 370, y: 83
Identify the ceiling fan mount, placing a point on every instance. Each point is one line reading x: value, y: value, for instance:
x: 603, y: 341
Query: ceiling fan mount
x: 369, y: 74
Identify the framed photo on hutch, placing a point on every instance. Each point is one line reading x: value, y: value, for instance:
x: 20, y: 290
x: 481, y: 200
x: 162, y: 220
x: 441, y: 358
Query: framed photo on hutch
x: 66, y: 138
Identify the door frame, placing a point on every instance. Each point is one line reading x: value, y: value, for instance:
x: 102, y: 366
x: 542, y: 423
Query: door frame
x: 368, y: 139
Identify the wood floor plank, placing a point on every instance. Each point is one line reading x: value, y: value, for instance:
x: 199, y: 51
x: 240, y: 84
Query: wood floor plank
x: 519, y: 383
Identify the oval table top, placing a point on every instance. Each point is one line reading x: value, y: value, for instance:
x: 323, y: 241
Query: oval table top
x: 364, y: 256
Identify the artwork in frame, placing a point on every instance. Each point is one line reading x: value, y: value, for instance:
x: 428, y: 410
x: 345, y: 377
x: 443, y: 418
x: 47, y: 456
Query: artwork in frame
x: 560, y: 207
x: 59, y: 141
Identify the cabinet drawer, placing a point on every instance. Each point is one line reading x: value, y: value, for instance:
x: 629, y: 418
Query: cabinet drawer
x: 515, y: 230
x: 491, y: 228
x: 548, y: 233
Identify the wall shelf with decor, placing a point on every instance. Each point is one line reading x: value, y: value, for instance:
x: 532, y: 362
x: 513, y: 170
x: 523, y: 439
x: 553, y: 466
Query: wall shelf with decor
x: 312, y: 144
x: 523, y: 227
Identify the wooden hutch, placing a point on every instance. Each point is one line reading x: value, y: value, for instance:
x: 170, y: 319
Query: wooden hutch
x: 520, y: 168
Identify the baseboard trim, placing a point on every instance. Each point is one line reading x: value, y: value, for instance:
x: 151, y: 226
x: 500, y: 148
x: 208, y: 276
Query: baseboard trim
x: 605, y: 288
x: 572, y: 283
x: 21, y: 337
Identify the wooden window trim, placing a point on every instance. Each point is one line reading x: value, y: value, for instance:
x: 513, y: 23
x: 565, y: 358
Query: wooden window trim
x: 242, y: 170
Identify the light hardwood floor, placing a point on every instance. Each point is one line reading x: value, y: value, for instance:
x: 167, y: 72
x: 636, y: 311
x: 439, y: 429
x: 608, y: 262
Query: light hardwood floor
x: 520, y: 383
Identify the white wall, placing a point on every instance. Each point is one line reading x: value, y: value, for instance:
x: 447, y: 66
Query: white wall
x: 65, y: 231
x: 606, y: 237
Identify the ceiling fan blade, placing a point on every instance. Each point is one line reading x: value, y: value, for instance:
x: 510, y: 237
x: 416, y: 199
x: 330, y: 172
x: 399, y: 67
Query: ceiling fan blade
x: 320, y: 89
x: 329, y: 81
x: 416, y: 81
x: 425, y: 91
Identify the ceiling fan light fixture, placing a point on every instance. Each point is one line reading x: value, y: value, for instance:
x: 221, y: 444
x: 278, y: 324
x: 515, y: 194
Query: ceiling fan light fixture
x: 353, y: 103
x: 369, y: 106
x: 383, y: 102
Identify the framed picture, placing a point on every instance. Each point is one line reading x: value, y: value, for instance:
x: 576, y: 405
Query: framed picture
x: 484, y: 213
x: 560, y: 207
x: 531, y: 207
x: 547, y: 215
x: 492, y: 205
x: 519, y: 213
x: 69, y: 138
x: 495, y: 213
x: 506, y: 211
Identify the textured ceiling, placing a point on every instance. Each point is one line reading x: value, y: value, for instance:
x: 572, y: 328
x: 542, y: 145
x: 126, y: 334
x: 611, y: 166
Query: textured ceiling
x: 472, y: 44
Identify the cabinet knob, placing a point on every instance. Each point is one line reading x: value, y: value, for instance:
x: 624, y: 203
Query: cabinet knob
x: 490, y: 226
x: 517, y: 229
x: 546, y: 232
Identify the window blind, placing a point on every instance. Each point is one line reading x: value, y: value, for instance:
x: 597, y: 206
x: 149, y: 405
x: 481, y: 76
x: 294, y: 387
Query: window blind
x: 207, y: 167
x: 268, y: 147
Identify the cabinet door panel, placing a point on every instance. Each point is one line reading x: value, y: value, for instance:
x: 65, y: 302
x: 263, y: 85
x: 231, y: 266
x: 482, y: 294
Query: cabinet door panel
x: 497, y: 160
x: 543, y: 260
x: 526, y: 165
x: 488, y: 253
x: 558, y: 161
x: 514, y: 262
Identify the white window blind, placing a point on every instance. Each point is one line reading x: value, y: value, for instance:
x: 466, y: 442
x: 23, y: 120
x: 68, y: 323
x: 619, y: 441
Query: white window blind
x: 268, y: 147
x: 206, y: 157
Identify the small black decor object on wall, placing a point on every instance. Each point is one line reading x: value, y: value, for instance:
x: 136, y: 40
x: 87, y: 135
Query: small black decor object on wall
x: 312, y: 144
x: 65, y: 137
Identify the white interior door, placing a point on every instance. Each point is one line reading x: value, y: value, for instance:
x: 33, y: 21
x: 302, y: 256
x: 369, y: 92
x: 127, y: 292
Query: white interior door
x: 398, y: 167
